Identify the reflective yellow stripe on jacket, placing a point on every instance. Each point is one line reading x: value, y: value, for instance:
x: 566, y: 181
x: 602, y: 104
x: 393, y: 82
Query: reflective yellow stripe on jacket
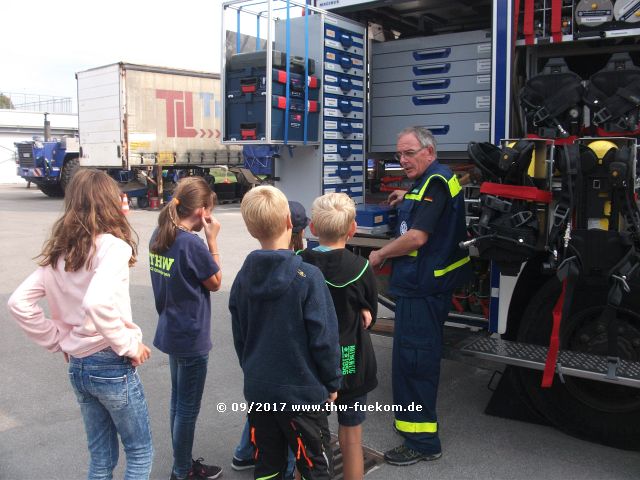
x: 453, y: 266
x: 454, y: 189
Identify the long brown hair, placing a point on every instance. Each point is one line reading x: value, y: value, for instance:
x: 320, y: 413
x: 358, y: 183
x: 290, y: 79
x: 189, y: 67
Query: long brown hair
x: 91, y: 207
x: 190, y: 194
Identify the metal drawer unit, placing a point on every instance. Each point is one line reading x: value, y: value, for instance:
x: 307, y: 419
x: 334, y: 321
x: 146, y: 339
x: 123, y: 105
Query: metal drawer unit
x: 451, y: 131
x: 343, y: 173
x: 343, y: 107
x: 468, y: 83
x: 343, y: 124
x: 441, y: 82
x: 430, y: 70
x: 436, y: 41
x: 426, y: 103
x: 343, y: 129
x: 449, y: 54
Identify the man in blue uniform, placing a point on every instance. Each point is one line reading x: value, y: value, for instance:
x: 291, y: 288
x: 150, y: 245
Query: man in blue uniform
x: 427, y: 266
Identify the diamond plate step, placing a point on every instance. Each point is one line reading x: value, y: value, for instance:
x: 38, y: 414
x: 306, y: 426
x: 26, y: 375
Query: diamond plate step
x: 575, y: 364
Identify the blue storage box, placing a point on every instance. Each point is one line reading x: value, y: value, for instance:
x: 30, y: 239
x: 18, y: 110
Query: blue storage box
x: 374, y: 215
x: 245, y: 118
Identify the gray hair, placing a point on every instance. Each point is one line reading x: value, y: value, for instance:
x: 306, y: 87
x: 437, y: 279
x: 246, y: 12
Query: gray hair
x: 423, y: 134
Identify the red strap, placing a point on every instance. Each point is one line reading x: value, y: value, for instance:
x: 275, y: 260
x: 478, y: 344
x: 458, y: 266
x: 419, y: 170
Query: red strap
x: 313, y: 106
x: 556, y: 21
x: 530, y: 194
x: 516, y: 19
x: 312, y: 82
x: 570, y: 140
x: 603, y: 133
x: 554, y: 341
x: 527, y: 27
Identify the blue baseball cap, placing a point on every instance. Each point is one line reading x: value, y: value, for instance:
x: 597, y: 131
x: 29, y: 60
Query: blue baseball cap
x: 298, y: 216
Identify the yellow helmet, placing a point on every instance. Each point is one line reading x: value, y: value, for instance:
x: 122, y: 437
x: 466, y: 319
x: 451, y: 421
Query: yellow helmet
x: 601, y: 147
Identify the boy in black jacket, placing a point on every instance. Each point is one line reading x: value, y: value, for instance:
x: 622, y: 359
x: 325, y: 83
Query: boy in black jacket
x: 285, y: 333
x: 353, y: 288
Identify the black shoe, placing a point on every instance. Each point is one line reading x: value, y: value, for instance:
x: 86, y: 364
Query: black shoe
x: 238, y: 464
x: 205, y: 471
x: 192, y: 475
x: 403, y: 456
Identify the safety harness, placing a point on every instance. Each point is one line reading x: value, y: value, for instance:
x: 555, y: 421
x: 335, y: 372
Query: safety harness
x: 613, y: 95
x: 551, y: 101
x: 599, y: 178
x: 507, y: 231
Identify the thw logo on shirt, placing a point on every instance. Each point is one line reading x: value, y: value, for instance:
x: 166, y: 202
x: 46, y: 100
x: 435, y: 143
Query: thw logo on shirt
x: 160, y: 264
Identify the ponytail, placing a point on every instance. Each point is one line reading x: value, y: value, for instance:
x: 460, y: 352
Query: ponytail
x: 190, y: 194
x: 167, y: 226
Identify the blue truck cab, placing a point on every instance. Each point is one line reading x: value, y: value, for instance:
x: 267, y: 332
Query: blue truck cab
x: 48, y: 164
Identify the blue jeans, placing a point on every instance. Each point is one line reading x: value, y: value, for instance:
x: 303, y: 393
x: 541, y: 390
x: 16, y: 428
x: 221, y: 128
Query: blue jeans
x: 112, y: 402
x: 244, y: 451
x: 188, y: 375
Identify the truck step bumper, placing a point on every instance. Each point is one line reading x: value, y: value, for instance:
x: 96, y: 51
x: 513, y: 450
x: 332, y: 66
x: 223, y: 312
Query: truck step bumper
x: 575, y: 364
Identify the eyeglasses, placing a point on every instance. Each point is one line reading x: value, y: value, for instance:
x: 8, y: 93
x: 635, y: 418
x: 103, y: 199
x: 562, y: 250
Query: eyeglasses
x: 407, y: 154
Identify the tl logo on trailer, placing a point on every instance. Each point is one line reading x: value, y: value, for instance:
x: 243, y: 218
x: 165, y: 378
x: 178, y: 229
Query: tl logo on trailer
x: 179, y: 108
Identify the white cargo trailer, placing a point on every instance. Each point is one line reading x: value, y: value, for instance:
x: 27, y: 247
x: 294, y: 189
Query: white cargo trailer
x: 137, y: 115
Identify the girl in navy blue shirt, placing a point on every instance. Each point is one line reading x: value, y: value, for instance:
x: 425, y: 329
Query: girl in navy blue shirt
x: 184, y: 270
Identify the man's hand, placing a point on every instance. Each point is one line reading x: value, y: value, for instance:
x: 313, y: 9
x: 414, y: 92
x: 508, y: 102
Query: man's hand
x: 395, y: 197
x: 142, y: 356
x: 375, y: 259
x: 332, y: 397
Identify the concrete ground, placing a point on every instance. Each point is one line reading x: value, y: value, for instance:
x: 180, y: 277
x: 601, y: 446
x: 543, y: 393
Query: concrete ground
x: 41, y: 432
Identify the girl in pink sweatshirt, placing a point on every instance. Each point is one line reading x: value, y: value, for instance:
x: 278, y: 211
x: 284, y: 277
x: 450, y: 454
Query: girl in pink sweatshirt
x: 84, y: 275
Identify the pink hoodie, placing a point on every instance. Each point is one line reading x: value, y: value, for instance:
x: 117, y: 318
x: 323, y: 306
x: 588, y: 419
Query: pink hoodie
x: 90, y: 309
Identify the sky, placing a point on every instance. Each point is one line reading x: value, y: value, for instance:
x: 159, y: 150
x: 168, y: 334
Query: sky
x: 43, y: 43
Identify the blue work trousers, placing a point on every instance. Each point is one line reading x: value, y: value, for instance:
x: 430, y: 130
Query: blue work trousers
x: 417, y: 350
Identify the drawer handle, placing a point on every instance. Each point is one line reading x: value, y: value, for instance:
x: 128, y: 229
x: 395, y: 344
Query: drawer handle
x: 345, y: 40
x: 344, y: 150
x: 432, y: 53
x: 431, y: 84
x: 431, y: 99
x: 431, y: 69
x: 345, y: 106
x: 345, y: 128
x: 438, y: 129
x: 344, y: 173
x: 346, y: 63
x: 345, y: 84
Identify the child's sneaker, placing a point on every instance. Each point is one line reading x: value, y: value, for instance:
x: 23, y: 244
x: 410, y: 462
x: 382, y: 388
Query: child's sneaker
x: 202, y: 470
x: 238, y: 464
x: 192, y: 475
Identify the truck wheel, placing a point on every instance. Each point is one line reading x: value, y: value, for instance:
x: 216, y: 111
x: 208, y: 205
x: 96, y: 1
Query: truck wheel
x: 596, y: 411
x: 68, y: 169
x: 51, y: 190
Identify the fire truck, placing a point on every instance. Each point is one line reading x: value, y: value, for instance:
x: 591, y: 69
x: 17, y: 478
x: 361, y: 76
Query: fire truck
x: 535, y: 104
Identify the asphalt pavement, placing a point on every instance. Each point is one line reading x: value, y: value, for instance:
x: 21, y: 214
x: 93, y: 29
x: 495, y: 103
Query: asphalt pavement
x: 41, y: 431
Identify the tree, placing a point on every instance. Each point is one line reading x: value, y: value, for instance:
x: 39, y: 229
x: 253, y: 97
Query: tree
x: 5, y: 102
